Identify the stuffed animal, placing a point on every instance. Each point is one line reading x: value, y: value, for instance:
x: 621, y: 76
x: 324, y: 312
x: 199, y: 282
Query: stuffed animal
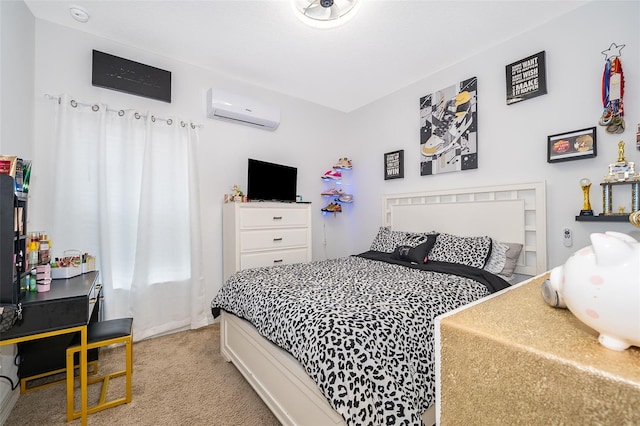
x: 600, y: 285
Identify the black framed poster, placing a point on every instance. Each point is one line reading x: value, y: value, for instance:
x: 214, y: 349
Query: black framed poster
x: 123, y: 75
x: 394, y: 165
x: 526, y: 78
x: 574, y: 145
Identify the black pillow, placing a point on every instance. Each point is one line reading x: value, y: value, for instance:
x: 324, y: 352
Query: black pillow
x: 417, y: 254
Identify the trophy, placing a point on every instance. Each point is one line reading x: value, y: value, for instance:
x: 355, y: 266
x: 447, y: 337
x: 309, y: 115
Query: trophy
x: 585, y: 184
x: 622, y: 170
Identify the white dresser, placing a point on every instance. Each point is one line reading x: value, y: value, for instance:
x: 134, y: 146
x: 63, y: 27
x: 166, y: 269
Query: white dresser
x: 264, y: 234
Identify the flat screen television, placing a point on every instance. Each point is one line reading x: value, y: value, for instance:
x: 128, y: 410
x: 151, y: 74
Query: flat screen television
x: 271, y: 182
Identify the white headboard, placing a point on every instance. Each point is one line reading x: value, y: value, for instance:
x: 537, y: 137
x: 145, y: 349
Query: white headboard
x: 514, y: 213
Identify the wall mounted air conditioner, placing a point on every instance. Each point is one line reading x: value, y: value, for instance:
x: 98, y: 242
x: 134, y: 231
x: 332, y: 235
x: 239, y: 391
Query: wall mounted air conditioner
x: 232, y: 107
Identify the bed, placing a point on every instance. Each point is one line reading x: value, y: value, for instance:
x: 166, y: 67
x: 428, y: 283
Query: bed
x: 357, y: 332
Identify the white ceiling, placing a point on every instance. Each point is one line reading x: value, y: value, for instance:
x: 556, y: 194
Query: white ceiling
x: 388, y: 45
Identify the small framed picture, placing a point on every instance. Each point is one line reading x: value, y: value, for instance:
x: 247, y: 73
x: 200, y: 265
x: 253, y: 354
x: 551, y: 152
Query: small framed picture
x: 394, y: 165
x: 574, y: 145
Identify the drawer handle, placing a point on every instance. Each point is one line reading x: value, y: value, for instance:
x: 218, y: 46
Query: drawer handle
x: 277, y: 261
x: 92, y: 300
x: 277, y: 218
x: 277, y: 239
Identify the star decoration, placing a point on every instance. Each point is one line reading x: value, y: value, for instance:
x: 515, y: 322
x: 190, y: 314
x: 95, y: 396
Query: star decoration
x: 613, y: 51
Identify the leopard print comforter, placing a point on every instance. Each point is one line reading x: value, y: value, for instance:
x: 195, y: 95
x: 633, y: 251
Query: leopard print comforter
x: 363, y: 329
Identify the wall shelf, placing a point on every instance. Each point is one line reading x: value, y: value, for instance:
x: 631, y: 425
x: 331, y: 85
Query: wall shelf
x: 607, y: 203
x: 604, y: 218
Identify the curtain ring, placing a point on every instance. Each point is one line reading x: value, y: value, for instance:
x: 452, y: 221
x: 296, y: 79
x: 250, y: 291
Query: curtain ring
x: 137, y: 116
x: 169, y: 121
x: 121, y: 112
x: 153, y: 119
x: 95, y: 108
x: 74, y: 103
x: 193, y: 126
x: 182, y: 123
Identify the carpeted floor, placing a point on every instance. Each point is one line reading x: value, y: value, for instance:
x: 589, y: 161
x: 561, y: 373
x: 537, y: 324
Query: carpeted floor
x: 179, y: 379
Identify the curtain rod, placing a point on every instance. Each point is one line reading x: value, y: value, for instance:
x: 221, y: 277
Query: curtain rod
x: 137, y: 115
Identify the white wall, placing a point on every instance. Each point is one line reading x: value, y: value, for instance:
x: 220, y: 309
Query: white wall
x: 16, y: 129
x: 16, y: 79
x: 309, y: 137
x: 512, y: 139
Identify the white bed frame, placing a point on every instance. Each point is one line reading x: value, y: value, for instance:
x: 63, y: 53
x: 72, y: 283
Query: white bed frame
x: 509, y: 213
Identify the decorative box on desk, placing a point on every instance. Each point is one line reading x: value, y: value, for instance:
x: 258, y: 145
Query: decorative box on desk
x: 66, y: 272
x: 513, y: 359
x: 68, y: 266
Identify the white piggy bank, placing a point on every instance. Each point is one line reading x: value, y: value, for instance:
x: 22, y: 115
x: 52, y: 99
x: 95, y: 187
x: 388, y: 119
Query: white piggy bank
x: 600, y: 285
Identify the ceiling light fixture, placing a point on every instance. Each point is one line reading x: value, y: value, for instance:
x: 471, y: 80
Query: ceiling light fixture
x: 79, y: 14
x: 326, y: 13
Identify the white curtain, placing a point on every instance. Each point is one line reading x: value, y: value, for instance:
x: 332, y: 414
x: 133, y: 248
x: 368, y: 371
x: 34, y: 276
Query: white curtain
x: 125, y: 189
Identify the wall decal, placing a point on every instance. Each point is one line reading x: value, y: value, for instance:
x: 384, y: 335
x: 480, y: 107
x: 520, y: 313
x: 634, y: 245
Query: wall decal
x: 448, y: 129
x: 112, y: 72
x: 526, y: 78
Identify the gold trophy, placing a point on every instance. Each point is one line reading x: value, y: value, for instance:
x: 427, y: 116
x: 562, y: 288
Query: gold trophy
x: 585, y: 184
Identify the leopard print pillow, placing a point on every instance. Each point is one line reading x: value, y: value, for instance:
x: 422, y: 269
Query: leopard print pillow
x: 387, y: 240
x: 498, y: 257
x: 470, y: 251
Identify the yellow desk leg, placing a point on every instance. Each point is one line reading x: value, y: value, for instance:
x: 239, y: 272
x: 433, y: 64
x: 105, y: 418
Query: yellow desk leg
x: 83, y: 375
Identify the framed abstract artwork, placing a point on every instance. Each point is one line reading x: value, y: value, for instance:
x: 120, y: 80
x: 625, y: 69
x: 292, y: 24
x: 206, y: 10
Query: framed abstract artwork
x: 449, y: 129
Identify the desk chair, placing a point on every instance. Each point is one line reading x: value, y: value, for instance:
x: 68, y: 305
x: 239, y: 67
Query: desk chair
x: 99, y: 334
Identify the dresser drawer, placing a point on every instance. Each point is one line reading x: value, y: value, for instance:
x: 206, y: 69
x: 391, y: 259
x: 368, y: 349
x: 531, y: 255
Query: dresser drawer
x: 267, y: 217
x: 273, y: 239
x: 271, y: 258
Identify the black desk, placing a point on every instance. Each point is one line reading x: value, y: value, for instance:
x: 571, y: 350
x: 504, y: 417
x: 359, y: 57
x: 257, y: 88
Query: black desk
x: 65, y: 309
x: 69, y: 303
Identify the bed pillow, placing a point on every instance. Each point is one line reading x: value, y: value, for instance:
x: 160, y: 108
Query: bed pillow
x: 513, y: 254
x: 470, y: 251
x: 503, y: 258
x: 414, y: 239
x: 387, y: 240
x: 417, y: 254
x: 498, y: 257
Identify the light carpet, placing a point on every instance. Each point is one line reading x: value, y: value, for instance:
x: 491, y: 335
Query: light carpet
x: 178, y: 379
